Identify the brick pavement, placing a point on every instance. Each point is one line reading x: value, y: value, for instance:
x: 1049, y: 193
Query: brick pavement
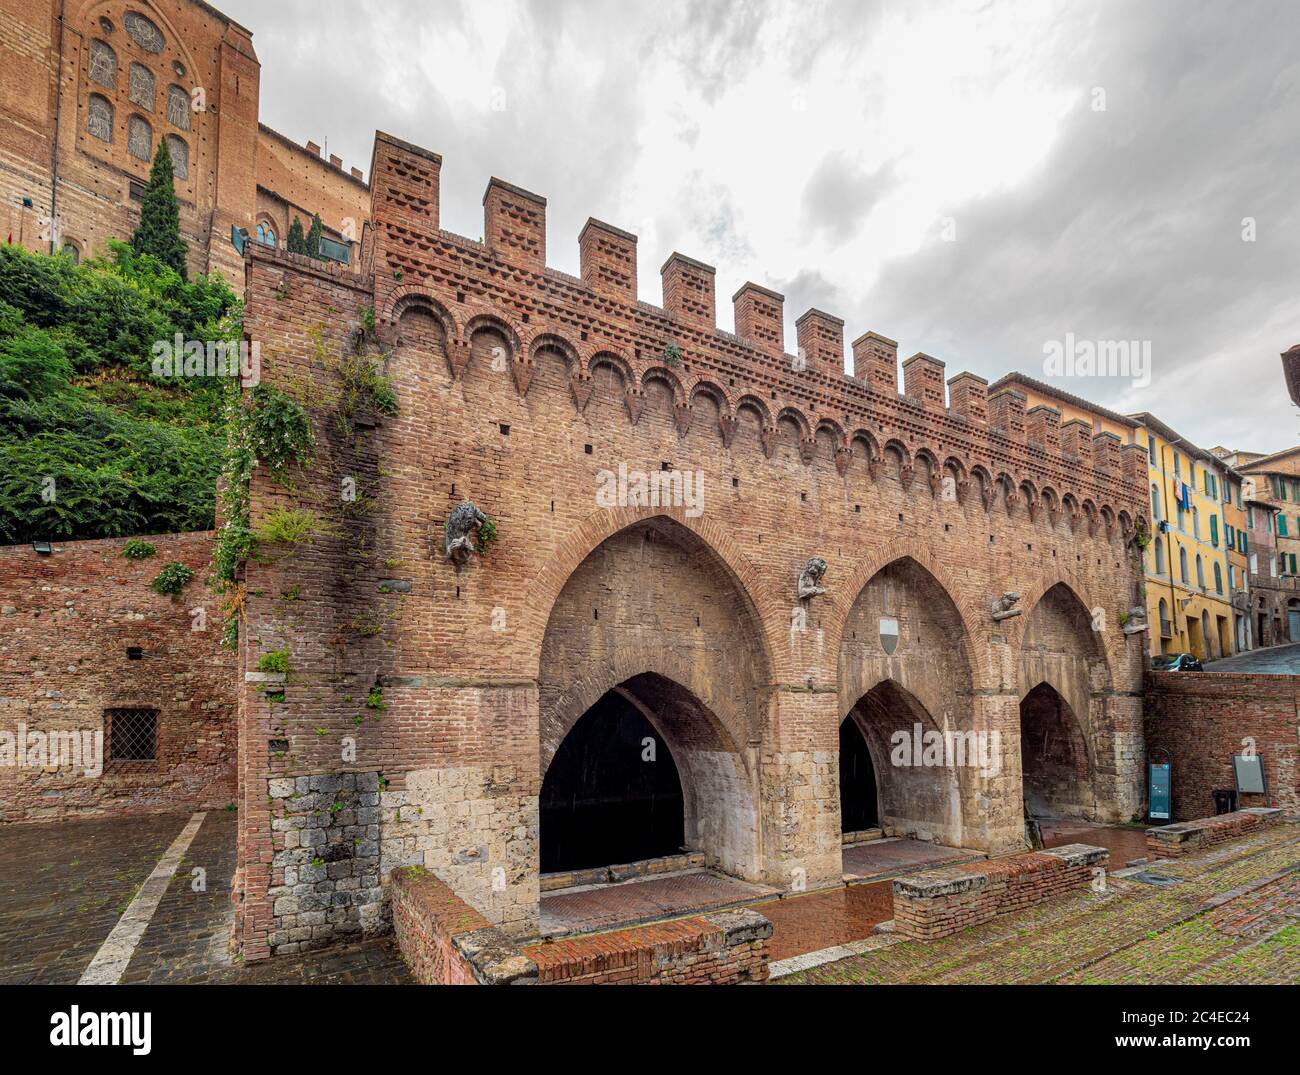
x: 886, y: 858
x: 1133, y: 933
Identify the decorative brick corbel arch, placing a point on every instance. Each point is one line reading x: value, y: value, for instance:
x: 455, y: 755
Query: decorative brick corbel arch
x: 771, y: 613
x: 410, y: 296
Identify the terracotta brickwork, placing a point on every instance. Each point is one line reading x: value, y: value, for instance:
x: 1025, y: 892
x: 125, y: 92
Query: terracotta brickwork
x: 83, y: 640
x: 1170, y: 841
x: 87, y: 100
x: 540, y: 397
x: 726, y: 948
x: 939, y: 903
x: 446, y: 942
x: 1200, y: 721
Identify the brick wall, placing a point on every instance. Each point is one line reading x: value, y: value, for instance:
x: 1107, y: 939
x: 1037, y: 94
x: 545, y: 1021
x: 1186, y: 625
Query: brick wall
x: 69, y: 623
x: 445, y: 941
x: 939, y: 903
x: 1201, y: 720
x: 1170, y: 841
x: 521, y: 389
x: 725, y: 948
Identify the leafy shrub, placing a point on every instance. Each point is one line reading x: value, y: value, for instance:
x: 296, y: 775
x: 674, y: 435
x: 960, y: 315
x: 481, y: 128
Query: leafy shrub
x: 172, y: 579
x: 487, y: 534
x: 276, y: 661
x: 138, y: 550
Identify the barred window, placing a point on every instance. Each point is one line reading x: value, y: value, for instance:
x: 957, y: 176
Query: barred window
x: 143, y: 32
x: 140, y: 83
x: 99, y: 118
x: 180, y: 152
x: 139, y: 138
x: 178, y: 107
x: 132, y: 734
x: 103, y: 64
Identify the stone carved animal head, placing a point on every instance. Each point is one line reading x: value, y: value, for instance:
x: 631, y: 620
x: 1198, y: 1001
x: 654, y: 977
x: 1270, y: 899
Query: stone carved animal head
x: 460, y: 537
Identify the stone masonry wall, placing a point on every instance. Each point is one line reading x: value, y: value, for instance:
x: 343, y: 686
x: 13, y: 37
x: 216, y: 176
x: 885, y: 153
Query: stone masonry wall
x: 70, y: 624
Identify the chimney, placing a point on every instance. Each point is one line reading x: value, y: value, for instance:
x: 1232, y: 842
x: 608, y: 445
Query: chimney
x: 608, y: 260
x: 514, y: 225
x: 688, y: 291
x: 821, y: 341
x: 875, y: 361
x: 760, y: 318
x: 313, y: 149
x: 337, y: 161
x: 923, y: 381
x: 968, y: 397
x: 356, y: 174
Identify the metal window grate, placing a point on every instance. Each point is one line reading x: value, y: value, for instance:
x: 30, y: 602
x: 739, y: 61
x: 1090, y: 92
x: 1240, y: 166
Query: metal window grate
x: 132, y: 734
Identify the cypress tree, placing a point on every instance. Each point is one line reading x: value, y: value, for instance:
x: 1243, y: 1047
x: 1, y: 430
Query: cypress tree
x: 314, y: 237
x: 159, y: 232
x: 297, y: 243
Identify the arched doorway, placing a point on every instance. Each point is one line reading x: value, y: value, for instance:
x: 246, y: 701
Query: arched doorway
x: 612, y: 793
x: 859, y: 799
x: 1053, y: 757
x: 654, y: 616
x: 904, y: 674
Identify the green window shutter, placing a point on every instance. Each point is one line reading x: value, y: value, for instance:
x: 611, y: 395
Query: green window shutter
x: 1293, y: 563
x: 1214, y: 530
x: 1245, y: 544
x: 1281, y: 526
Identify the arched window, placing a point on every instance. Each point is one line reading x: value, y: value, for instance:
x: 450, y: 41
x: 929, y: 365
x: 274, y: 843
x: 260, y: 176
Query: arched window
x: 178, y: 107
x: 1218, y: 579
x: 140, y: 86
x: 1155, y: 503
x: 72, y: 250
x: 103, y: 64
x: 180, y: 151
x: 139, y: 138
x: 99, y: 118
x: 1164, y: 617
x: 1200, y: 572
x: 1160, y: 556
x: 1182, y: 564
x: 266, y: 234
x: 143, y: 32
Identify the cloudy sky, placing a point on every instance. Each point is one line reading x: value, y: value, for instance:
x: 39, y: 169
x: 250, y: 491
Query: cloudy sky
x: 976, y: 180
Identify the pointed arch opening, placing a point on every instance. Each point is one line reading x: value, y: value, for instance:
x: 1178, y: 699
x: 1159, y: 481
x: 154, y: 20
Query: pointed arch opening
x: 1053, y: 757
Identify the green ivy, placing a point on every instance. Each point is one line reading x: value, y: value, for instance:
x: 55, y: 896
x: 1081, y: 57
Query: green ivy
x: 275, y: 661
x: 138, y: 550
x: 487, y: 534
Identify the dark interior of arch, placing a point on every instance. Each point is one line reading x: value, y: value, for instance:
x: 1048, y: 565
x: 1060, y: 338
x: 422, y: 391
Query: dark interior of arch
x: 607, y: 797
x: 1053, y: 759
x: 859, y: 808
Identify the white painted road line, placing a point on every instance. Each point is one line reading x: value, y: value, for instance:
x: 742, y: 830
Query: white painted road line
x: 115, y: 953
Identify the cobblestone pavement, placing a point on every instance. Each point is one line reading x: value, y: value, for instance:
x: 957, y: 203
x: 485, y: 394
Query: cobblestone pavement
x: 64, y: 885
x: 584, y: 910
x: 1233, y: 917
x: 1276, y: 661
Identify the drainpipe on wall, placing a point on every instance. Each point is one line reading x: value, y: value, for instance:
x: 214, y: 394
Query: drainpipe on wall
x: 54, y: 152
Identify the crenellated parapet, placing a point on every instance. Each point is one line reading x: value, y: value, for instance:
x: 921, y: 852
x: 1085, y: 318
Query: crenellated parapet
x: 988, y: 444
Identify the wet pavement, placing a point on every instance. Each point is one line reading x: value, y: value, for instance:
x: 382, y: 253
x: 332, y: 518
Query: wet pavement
x: 1274, y: 661
x: 819, y: 920
x: 1234, y: 917
x: 887, y: 858
x: 1125, y: 843
x: 599, y: 907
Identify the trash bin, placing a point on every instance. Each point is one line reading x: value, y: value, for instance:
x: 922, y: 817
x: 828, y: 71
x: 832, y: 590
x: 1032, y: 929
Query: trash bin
x: 1225, y: 800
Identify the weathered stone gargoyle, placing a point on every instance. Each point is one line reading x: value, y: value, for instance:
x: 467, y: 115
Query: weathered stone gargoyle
x: 1004, y: 607
x: 1137, y: 621
x: 810, y: 581
x: 460, y: 538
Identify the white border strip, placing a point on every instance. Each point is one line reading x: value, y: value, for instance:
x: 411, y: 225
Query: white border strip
x: 115, y: 953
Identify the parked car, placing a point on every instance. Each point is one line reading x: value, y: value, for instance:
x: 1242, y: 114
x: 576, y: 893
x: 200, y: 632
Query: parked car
x: 1177, y: 662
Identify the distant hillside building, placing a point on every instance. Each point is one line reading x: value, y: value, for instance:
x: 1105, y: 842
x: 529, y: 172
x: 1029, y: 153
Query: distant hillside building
x: 75, y: 150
